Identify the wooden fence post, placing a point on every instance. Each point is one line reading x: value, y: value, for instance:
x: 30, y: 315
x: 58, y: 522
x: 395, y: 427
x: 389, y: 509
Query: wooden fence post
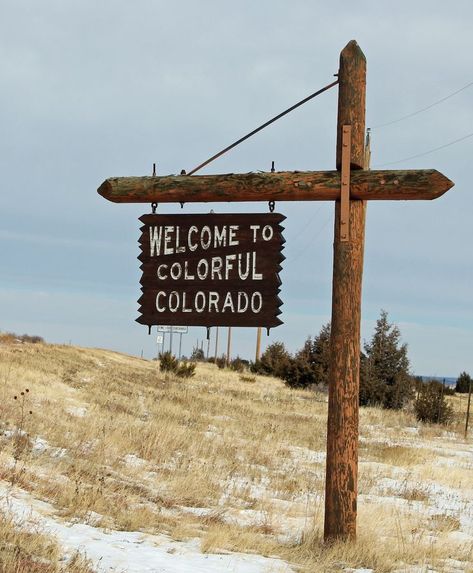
x: 342, y: 425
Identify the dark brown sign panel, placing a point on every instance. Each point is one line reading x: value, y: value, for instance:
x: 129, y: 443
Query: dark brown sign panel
x: 211, y: 269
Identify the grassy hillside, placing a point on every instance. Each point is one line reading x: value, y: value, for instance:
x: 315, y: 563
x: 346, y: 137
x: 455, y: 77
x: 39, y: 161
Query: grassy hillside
x: 235, y: 461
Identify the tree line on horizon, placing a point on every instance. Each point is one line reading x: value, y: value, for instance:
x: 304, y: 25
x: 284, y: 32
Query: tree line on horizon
x: 385, y: 378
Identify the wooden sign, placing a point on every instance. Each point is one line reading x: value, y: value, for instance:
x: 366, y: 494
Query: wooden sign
x: 211, y: 269
x: 246, y: 295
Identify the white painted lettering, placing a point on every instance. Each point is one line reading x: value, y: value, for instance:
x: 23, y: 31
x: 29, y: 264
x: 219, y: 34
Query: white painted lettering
x: 217, y: 264
x: 205, y: 242
x: 254, y: 228
x: 160, y: 276
x: 173, y: 296
x: 228, y: 303
x: 160, y: 308
x: 167, y: 239
x: 184, y: 300
x: 179, y: 248
x: 187, y: 276
x: 202, y: 269
x: 228, y: 264
x: 175, y: 271
x: 220, y: 237
x: 213, y: 300
x: 243, y: 274
x: 254, y: 275
x: 155, y: 234
x: 192, y: 246
x: 232, y: 241
x: 267, y: 233
x: 244, y: 296
x: 256, y: 302
x: 199, y: 307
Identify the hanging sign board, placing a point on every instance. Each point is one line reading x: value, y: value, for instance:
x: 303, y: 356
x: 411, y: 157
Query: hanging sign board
x: 211, y: 269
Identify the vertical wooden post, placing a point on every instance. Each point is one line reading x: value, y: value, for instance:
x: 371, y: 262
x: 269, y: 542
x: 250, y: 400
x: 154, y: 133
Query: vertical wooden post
x: 258, y: 344
x: 468, y: 410
x: 229, y: 344
x: 342, y: 426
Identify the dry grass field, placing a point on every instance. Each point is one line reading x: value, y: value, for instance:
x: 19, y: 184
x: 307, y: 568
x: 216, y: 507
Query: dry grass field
x: 236, y: 462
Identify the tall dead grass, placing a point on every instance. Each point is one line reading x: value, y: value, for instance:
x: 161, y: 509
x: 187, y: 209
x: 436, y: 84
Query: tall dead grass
x: 239, y: 464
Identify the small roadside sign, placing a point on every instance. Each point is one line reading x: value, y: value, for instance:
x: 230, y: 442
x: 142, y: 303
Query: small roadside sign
x: 173, y: 329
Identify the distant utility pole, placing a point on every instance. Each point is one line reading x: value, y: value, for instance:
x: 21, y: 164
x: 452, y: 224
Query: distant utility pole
x: 258, y: 344
x: 180, y: 345
x: 216, y: 344
x: 170, y: 340
x: 468, y: 410
x: 229, y: 345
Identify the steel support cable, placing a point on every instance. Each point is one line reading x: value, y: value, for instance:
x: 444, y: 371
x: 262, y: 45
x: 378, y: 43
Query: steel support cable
x: 402, y: 118
x: 269, y: 122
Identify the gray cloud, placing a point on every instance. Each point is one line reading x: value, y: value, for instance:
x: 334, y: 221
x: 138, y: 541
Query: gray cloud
x: 92, y: 90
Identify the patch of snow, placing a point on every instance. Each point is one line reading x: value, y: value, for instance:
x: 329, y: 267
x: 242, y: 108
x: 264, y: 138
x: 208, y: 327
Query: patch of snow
x: 130, y: 551
x: 14, y: 433
x: 40, y: 445
x: 223, y: 418
x: 307, y: 455
x: 58, y: 452
x: 77, y: 411
x: 211, y: 432
x: 461, y: 537
x: 238, y: 484
x: 134, y: 461
x: 411, y: 430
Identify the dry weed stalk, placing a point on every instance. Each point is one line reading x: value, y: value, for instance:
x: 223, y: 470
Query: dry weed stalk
x: 239, y: 463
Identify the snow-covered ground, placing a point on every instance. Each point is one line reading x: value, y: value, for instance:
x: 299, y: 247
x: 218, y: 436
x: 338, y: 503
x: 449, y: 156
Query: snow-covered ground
x: 130, y: 552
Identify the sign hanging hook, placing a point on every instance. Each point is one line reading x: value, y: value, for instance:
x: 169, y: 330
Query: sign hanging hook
x: 154, y: 206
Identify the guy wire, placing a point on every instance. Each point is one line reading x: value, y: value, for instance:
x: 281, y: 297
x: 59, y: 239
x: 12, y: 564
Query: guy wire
x: 272, y: 120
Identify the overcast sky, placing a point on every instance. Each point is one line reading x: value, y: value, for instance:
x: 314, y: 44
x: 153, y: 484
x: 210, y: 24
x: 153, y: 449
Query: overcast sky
x: 91, y: 90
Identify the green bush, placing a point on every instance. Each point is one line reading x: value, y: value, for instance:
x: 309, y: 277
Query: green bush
x: 197, y: 354
x: 310, y: 366
x: 239, y: 364
x: 384, y: 371
x: 273, y: 362
x: 463, y: 383
x: 169, y: 364
x: 431, y: 405
x: 221, y: 361
x: 186, y: 370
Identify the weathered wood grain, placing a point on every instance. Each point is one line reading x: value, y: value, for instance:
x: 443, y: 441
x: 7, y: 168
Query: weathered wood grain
x: 417, y: 184
x: 341, y: 488
x: 204, y: 269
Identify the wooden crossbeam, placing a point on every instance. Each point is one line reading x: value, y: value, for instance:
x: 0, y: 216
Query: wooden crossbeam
x: 418, y: 184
